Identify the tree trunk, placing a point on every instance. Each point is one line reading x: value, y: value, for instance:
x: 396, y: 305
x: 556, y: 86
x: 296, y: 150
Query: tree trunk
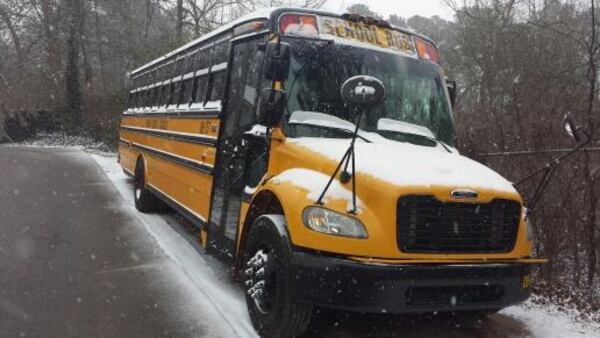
x: 72, y: 111
x: 5, y: 16
x: 589, y: 174
x: 52, y: 67
x: 591, y: 221
x: 179, y: 24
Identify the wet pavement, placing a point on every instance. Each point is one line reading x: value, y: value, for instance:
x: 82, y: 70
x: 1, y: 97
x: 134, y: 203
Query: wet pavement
x: 75, y: 264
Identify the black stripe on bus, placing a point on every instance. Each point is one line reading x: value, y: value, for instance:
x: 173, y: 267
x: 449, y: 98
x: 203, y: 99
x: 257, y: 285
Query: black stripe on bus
x: 197, y: 139
x: 203, y: 114
x: 172, y: 158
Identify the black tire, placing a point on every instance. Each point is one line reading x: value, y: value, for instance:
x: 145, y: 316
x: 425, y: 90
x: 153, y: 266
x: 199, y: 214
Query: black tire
x: 145, y: 201
x: 275, y: 312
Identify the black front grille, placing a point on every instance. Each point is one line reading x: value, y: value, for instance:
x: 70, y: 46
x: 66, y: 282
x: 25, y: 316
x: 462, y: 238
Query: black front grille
x: 453, y: 295
x: 427, y: 225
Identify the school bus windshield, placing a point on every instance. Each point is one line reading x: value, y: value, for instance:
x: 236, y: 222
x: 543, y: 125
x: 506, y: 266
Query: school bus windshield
x: 416, y: 92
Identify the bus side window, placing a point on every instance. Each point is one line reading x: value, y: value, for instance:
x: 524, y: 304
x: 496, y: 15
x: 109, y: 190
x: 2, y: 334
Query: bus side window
x: 252, y: 87
x: 217, y: 86
x: 220, y: 52
x: 181, y: 96
x: 164, y: 99
x: 200, y: 83
x: 149, y: 97
x: 189, y: 89
x: 172, y: 94
x: 157, y: 92
x: 195, y: 95
x: 161, y: 96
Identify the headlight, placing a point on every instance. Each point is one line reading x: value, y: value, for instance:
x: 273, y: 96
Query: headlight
x: 530, y: 233
x: 333, y: 223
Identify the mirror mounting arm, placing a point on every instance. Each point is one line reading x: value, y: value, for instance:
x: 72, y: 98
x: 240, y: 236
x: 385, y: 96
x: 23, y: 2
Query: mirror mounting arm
x: 360, y: 92
x: 345, y: 177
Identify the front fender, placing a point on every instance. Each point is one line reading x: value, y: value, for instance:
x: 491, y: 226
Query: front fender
x: 294, y: 199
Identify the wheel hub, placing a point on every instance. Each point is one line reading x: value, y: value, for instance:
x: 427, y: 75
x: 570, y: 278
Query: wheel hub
x: 257, y: 272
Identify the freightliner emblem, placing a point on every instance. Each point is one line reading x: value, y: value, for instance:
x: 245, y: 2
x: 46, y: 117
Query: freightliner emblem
x: 464, y: 193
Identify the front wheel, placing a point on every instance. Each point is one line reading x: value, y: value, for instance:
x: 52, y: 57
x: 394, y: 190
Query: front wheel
x: 269, y: 285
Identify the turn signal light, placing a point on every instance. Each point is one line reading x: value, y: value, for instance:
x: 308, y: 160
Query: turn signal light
x: 299, y: 24
x: 427, y: 51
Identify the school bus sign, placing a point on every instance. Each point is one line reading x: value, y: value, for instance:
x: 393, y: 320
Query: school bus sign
x: 370, y: 34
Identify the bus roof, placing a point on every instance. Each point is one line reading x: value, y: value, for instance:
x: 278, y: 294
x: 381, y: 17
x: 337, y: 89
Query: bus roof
x: 271, y: 14
x: 262, y: 14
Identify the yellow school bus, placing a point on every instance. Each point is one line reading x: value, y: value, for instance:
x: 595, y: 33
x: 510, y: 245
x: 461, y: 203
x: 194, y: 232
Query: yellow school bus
x: 316, y: 153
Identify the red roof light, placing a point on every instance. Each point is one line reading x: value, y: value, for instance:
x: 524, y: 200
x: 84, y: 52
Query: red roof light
x: 427, y: 51
x: 299, y: 24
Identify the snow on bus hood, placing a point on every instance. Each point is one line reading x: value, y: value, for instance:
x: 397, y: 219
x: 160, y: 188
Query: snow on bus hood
x: 405, y: 164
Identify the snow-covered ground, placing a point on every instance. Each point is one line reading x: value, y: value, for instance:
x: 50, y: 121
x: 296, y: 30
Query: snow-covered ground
x: 201, y: 274
x: 206, y: 285
x: 551, y: 321
x: 61, y: 140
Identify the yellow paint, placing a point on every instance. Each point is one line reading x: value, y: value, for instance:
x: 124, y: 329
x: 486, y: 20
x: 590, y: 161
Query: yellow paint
x: 192, y: 189
x: 200, y: 153
x: 378, y: 215
x: 185, y: 186
x: 203, y: 127
x: 203, y: 238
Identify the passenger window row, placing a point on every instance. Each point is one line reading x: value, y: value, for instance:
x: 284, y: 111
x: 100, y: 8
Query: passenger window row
x: 184, y: 81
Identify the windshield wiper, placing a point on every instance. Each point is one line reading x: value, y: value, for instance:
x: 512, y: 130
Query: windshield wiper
x: 434, y: 139
x: 341, y: 130
x: 443, y: 144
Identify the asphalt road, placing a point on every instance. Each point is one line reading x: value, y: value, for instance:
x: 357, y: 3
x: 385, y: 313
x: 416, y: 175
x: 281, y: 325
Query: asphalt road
x: 75, y: 263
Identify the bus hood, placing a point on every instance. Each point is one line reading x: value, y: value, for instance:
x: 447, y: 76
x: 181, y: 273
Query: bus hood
x: 409, y: 165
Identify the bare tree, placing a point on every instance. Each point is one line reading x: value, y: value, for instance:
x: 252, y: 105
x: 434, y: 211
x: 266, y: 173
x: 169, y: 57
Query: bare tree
x: 72, y: 82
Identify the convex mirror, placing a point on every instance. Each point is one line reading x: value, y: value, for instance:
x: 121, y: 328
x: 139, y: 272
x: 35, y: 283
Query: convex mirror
x: 364, y: 91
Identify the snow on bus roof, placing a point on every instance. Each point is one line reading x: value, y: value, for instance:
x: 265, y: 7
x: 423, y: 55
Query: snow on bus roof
x: 260, y: 14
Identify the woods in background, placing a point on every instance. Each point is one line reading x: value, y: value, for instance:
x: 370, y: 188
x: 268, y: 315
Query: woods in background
x: 520, y: 64
x: 71, y: 56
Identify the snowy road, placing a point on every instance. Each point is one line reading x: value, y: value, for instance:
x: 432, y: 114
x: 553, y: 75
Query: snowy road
x: 76, y: 259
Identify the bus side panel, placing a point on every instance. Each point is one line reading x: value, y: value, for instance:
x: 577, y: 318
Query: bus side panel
x: 187, y: 187
x: 200, y: 153
x: 128, y: 157
x: 208, y: 127
x: 166, y: 156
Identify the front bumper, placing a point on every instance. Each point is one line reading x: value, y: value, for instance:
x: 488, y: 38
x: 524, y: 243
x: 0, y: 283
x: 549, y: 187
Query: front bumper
x: 415, y: 288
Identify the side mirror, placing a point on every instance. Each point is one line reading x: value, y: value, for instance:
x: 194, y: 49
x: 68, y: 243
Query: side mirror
x: 271, y: 107
x: 572, y: 127
x: 364, y: 90
x: 278, y: 57
x: 452, y: 87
